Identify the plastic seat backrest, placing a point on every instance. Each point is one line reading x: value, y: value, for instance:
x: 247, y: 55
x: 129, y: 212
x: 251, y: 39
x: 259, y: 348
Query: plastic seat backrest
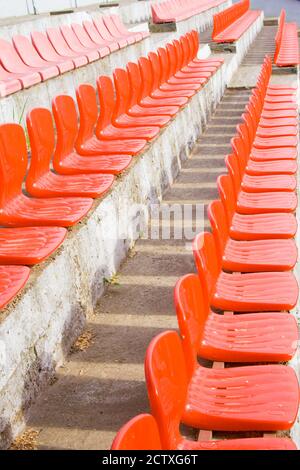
x: 167, y: 381
x: 146, y: 76
x: 135, y: 82
x: 246, y: 145
x: 106, y: 95
x: 207, y: 261
x: 232, y: 165
x: 66, y: 123
x: 219, y: 225
x: 44, y: 47
x: 102, y: 29
x: 11, y: 59
x: 93, y: 33
x: 82, y: 36
x: 164, y: 64
x: 172, y: 59
x: 13, y: 161
x: 71, y: 38
x: 42, y: 142
x: 227, y: 195
x: 140, y: 433
x: 88, y: 113
x: 122, y: 87
x: 192, y: 310
x: 59, y: 43
x: 247, y: 118
x: 27, y: 51
x: 178, y: 53
x: 238, y: 148
x: 156, y: 70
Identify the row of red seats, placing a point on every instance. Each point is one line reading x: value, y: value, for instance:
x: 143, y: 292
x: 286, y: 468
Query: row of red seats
x: 171, y: 11
x: 25, y: 62
x: 244, y: 266
x: 287, y: 43
x: 143, y: 98
x: 230, y: 24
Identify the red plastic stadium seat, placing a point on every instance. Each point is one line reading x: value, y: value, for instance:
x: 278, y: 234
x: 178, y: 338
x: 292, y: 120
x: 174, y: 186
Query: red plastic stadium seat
x: 253, y: 337
x: 249, y: 255
x: 254, y: 226
x: 20, y: 210
x: 48, y: 53
x: 31, y: 58
x: 287, y: 45
x: 60, y: 45
x: 88, y: 143
x: 66, y: 160
x: 12, y: 280
x: 86, y: 41
x: 249, y: 292
x: 230, y: 24
x: 41, y: 181
x: 120, y: 38
x: 12, y: 62
x: 171, y: 11
x: 179, y: 388
x: 142, y: 433
x: 29, y: 245
x: 105, y: 33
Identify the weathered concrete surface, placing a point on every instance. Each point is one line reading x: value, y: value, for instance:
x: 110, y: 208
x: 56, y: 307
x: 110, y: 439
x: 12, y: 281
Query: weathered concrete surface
x: 38, y: 328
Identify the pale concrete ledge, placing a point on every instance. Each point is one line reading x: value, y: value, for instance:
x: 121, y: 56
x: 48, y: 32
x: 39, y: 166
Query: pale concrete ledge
x: 39, y: 326
x: 198, y: 22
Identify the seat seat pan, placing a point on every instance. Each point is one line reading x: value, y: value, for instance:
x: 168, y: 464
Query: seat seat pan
x: 180, y: 85
x: 267, y: 154
x: 255, y: 292
x: 29, y: 245
x: 165, y: 100
x: 84, y: 185
x: 271, y: 167
x: 194, y: 75
x: 111, y: 132
x: 274, y: 131
x: 275, y: 142
x: 189, y: 81
x: 257, y: 443
x: 279, y: 114
x: 236, y: 29
x: 259, y: 255
x: 126, y: 121
x: 253, y: 337
x: 253, y: 184
x: 266, y: 202
x: 263, y: 226
x: 249, y: 398
x: 278, y: 122
x: 74, y: 164
x: 94, y: 146
x: 12, y: 280
x: 287, y: 98
x: 24, y: 211
x: 285, y: 107
x: 173, y: 91
x: 139, y: 110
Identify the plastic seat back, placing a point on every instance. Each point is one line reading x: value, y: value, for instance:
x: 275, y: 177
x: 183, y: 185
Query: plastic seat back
x: 106, y: 95
x: 135, y: 81
x: 172, y: 59
x: 102, y: 29
x: 82, y: 35
x: 227, y: 195
x: 156, y: 71
x: 239, y: 150
x: 44, y: 47
x: 167, y: 380
x: 246, y: 145
x: 58, y: 42
x: 88, y: 113
x: 42, y: 142
x: 207, y: 261
x: 164, y: 64
x: 192, y: 310
x: 13, y: 161
x: 140, y: 433
x: 27, y: 51
x: 234, y: 171
x: 122, y: 87
x: 178, y: 52
x: 10, y: 58
x: 66, y: 123
x: 71, y: 39
x: 219, y: 225
x: 93, y: 33
x: 146, y: 75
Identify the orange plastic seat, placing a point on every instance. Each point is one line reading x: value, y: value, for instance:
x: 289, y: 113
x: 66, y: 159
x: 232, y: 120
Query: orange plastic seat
x: 66, y: 160
x: 281, y: 131
x: 254, y: 226
x: 254, y: 337
x: 279, y: 182
x: 48, y: 53
x: 205, y: 399
x: 249, y: 292
x: 20, y: 210
x: 41, y: 181
x: 12, y: 280
x: 29, y: 245
x: 249, y: 255
x: 268, y: 123
x: 178, y: 77
x: 272, y: 167
x: 142, y: 433
x: 88, y: 143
